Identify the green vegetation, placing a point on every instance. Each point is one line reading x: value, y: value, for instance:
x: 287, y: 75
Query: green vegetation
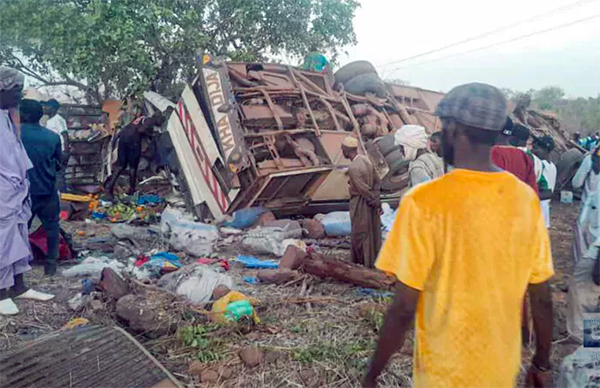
x: 108, y: 49
x: 210, y: 349
x: 351, y: 354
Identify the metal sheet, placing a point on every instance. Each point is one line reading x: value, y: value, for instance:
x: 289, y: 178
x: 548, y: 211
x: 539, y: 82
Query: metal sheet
x: 289, y: 188
x: 334, y: 187
x: 225, y: 118
x: 199, y: 121
x: 86, y: 357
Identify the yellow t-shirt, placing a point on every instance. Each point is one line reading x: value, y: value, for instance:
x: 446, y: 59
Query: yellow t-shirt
x: 471, y: 242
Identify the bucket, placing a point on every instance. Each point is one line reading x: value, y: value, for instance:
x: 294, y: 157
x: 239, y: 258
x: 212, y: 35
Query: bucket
x: 566, y: 196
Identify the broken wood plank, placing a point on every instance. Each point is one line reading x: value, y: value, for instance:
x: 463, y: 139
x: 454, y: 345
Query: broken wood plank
x: 329, y: 267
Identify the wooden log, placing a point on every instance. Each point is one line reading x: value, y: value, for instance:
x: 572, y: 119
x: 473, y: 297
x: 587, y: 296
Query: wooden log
x: 329, y: 267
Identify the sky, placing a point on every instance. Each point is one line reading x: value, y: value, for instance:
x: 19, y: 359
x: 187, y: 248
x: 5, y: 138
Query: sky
x: 569, y: 57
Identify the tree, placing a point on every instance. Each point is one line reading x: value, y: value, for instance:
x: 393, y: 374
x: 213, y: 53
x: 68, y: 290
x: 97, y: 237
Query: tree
x: 110, y: 48
x: 546, y: 98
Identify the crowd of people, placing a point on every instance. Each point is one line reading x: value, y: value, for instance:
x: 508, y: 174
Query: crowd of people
x: 468, y: 245
x: 25, y: 188
x: 470, y: 239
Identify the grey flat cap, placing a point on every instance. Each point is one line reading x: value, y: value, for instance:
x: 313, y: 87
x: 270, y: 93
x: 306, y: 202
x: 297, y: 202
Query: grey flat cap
x: 10, y: 78
x: 476, y: 105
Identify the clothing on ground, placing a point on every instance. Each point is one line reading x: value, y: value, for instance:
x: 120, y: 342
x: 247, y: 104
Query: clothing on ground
x: 44, y: 150
x: 365, y: 191
x: 515, y: 161
x: 473, y: 269
x: 58, y: 125
x: 425, y: 168
x: 15, y: 208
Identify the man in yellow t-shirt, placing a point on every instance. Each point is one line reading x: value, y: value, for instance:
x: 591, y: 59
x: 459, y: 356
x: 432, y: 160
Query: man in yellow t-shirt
x: 465, y: 248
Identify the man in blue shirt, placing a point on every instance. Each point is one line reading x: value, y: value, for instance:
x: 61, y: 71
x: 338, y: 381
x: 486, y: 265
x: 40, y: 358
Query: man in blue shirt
x: 44, y: 150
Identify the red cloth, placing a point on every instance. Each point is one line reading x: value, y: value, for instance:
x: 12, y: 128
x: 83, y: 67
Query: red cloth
x: 38, y: 240
x: 516, y: 162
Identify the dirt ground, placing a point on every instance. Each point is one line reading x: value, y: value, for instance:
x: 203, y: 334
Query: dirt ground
x: 313, y: 333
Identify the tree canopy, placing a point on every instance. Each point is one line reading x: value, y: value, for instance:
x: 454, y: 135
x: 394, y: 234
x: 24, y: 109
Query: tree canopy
x: 109, y: 48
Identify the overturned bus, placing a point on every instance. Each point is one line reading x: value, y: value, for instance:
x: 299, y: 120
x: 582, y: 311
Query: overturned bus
x: 257, y: 134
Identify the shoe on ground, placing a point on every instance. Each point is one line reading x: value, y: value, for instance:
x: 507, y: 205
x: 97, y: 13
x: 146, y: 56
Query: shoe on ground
x: 8, y: 307
x: 36, y: 295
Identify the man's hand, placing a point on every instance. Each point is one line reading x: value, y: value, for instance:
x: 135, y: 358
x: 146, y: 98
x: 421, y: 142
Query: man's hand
x: 539, y: 374
x: 538, y: 379
x: 399, y: 317
x: 369, y: 382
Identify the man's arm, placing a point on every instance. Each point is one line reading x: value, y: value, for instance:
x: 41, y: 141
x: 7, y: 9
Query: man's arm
x: 541, y: 310
x: 540, y: 374
x: 418, y: 175
x: 356, y: 175
x: 58, y: 156
x: 582, y: 173
x: 397, y: 321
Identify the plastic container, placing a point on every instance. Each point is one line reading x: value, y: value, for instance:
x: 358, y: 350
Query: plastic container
x: 337, y: 224
x: 236, y: 310
x: 244, y: 218
x: 566, y: 196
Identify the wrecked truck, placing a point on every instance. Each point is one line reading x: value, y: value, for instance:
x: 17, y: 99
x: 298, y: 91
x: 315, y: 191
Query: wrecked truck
x: 256, y: 134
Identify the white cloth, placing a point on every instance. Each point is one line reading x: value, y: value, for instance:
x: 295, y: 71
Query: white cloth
x: 36, y: 295
x: 588, y: 220
x: 58, y: 125
x: 537, y: 163
x: 412, y: 138
x: 549, y: 173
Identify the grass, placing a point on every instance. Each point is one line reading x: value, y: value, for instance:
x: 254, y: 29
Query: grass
x: 210, y: 349
x: 351, y: 354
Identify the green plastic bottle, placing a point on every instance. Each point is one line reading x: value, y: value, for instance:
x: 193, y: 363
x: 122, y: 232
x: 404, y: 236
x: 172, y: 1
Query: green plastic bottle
x: 239, y: 309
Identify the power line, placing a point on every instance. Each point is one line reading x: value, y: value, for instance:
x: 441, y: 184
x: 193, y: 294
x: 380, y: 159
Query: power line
x: 493, y: 32
x: 504, y: 42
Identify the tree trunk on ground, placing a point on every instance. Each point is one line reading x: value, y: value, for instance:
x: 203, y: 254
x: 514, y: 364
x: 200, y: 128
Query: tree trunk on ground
x: 329, y: 267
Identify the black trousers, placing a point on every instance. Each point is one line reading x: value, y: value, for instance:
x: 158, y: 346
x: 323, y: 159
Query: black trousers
x: 47, y: 208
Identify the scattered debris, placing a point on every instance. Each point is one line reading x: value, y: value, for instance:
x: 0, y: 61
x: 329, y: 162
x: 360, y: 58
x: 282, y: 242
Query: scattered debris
x: 253, y: 262
x: 270, y: 240
x: 113, y: 285
x: 80, y: 358
x: 251, y: 356
x: 313, y: 228
x: 329, y: 267
x: 195, y: 282
x: 196, y: 368
x: 209, y: 376
x: 276, y: 276
x: 293, y: 258
x: 232, y: 307
x: 76, y: 322
x: 144, y: 315
x: 93, y: 267
x: 337, y: 224
x: 194, y: 238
